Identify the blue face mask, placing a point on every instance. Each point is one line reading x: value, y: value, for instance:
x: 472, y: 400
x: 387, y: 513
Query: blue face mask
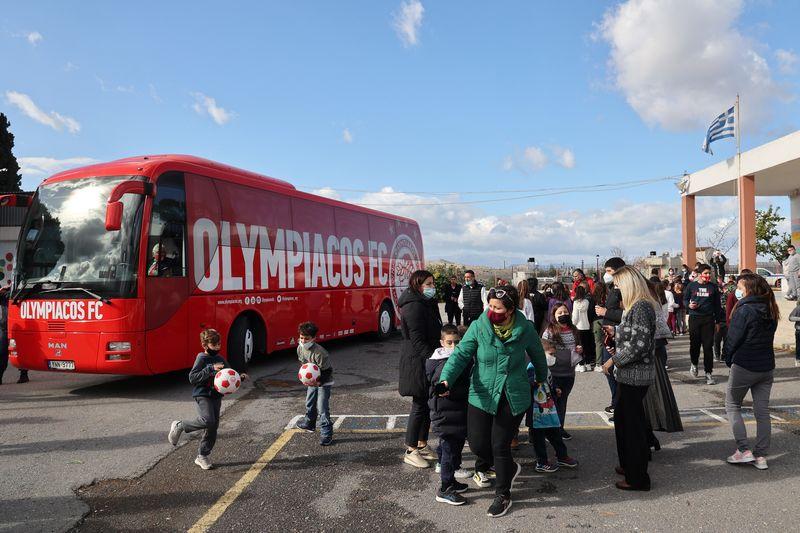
x: 429, y: 292
x: 739, y: 294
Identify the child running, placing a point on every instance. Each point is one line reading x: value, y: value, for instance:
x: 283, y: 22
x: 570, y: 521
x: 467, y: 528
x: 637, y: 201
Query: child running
x: 209, y: 401
x: 564, y: 337
x: 318, y: 396
x: 449, y: 419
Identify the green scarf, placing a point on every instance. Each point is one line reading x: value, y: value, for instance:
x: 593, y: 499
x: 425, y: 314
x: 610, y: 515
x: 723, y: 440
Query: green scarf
x: 503, y: 332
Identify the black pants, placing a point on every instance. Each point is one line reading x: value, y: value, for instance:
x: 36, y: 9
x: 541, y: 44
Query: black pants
x: 3, y: 354
x: 797, y: 344
x: 453, y: 315
x: 470, y: 318
x: 586, y: 338
x: 208, y: 408
x: 449, y: 451
x: 565, y: 384
x: 719, y: 337
x: 612, y: 383
x: 490, y: 440
x: 554, y: 436
x: 631, y: 429
x: 419, y: 422
x: 701, y: 332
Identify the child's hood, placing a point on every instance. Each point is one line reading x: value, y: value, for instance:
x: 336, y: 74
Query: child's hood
x: 441, y: 353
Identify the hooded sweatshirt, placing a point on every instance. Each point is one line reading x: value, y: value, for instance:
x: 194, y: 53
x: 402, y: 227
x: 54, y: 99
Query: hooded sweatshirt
x: 748, y: 343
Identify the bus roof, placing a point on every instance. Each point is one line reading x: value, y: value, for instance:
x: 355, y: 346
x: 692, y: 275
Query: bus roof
x: 150, y: 165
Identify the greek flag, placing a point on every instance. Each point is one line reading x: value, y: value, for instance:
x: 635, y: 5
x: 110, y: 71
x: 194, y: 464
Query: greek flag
x: 722, y: 128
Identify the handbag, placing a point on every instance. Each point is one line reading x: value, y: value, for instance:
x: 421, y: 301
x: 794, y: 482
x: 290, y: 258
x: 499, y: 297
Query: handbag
x: 544, y: 408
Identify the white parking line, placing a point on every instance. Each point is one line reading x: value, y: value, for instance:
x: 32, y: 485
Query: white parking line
x: 605, y: 416
x: 712, y: 415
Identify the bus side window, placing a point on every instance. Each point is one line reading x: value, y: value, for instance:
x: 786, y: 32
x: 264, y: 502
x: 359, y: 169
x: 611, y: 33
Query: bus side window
x: 167, y: 238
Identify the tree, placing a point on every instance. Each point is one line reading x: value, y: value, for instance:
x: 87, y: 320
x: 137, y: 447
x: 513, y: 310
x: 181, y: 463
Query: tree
x: 616, y: 251
x: 769, y: 242
x: 10, y: 179
x: 720, y: 238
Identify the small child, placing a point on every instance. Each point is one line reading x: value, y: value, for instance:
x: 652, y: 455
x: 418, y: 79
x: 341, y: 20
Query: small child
x: 449, y: 418
x: 318, y: 396
x: 537, y: 435
x: 568, y: 353
x: 794, y: 316
x: 209, y: 401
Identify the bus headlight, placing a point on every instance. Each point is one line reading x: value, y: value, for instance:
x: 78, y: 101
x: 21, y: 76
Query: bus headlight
x: 119, y: 346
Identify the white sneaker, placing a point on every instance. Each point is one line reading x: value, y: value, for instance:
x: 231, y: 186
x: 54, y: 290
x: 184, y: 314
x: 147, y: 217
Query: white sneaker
x: 580, y: 368
x: 463, y: 473
x: 203, y: 462
x: 693, y: 371
x: 598, y: 368
x: 175, y: 431
x: 427, y: 453
x: 415, y: 459
x: 710, y: 379
x: 481, y: 480
x: 760, y: 463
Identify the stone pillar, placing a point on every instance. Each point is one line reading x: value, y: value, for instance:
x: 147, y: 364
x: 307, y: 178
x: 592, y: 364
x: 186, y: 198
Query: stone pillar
x: 689, y: 230
x: 747, y: 223
x: 794, y: 216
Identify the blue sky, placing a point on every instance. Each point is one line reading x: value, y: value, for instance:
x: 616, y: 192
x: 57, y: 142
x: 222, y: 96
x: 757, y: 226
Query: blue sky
x: 417, y: 96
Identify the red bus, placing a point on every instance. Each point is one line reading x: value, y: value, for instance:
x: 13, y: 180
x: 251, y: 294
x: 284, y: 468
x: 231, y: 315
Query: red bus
x: 120, y: 266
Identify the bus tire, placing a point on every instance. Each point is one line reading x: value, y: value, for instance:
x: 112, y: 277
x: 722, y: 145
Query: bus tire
x: 241, y: 344
x: 385, y: 321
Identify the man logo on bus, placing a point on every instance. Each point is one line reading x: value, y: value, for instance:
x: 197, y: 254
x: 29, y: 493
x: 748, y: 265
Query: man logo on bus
x: 403, y: 261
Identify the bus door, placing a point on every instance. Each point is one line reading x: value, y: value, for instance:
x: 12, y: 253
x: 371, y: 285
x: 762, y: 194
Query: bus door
x: 166, y: 280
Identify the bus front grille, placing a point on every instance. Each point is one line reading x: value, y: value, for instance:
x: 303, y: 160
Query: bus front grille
x: 56, y: 326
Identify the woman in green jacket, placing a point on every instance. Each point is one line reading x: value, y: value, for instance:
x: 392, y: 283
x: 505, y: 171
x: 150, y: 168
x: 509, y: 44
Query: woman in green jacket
x: 499, y: 392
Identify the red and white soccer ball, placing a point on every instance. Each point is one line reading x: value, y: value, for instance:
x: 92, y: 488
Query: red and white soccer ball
x: 309, y: 373
x: 227, y: 381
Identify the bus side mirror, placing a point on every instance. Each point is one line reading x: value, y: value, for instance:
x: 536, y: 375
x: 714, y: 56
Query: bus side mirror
x: 114, y: 206
x: 114, y: 216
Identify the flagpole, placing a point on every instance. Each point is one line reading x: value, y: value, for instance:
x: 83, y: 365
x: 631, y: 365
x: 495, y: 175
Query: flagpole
x: 737, y: 123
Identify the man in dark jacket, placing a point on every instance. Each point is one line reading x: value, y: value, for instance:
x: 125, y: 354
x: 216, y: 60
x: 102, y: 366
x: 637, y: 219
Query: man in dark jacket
x: 702, y: 300
x: 451, y: 293
x: 718, y: 261
x: 472, y: 299
x: 612, y: 316
x: 539, y: 304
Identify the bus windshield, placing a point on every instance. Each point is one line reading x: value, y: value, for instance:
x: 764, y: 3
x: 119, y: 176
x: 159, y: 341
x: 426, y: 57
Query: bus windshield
x: 64, y: 241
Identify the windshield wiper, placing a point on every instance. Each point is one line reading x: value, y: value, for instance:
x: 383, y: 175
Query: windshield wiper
x: 30, y: 290
x: 87, y: 291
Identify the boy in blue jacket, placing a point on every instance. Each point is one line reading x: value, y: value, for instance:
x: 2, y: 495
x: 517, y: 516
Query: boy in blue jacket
x: 209, y: 401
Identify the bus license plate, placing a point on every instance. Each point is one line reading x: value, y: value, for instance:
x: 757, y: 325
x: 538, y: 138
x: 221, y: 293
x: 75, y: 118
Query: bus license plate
x: 61, y: 365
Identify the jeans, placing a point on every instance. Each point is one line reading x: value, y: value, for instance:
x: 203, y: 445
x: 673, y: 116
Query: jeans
x: 419, y: 422
x: 701, y: 332
x: 208, y: 408
x: 612, y: 382
x: 318, y: 405
x: 449, y: 452
x: 490, y: 440
x: 631, y: 429
x: 759, y: 384
x: 565, y: 384
x: 540, y: 447
x: 597, y: 331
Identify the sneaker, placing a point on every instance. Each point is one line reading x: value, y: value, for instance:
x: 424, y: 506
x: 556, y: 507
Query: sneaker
x: 710, y: 379
x: 609, y: 409
x: 427, y: 453
x: 450, y: 497
x: 740, y: 457
x: 414, y: 458
x: 23, y: 377
x: 693, y: 371
x: 598, y: 368
x: 580, y: 368
x: 565, y: 435
x: 481, y: 480
x: 203, y: 462
x: 175, y: 431
x: 305, y: 426
x: 546, y: 468
x: 760, y: 463
x: 459, y: 487
x: 492, y: 473
x: 438, y: 468
x: 569, y: 462
x: 326, y: 441
x: 499, y: 507
x: 463, y: 473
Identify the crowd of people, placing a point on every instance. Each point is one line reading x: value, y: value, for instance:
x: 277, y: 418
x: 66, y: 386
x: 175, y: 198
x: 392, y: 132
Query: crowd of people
x: 516, y: 355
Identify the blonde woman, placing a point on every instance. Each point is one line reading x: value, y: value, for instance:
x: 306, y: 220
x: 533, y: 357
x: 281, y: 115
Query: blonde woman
x: 633, y: 362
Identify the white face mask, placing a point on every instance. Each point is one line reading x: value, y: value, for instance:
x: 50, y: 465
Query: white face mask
x: 608, y: 278
x: 551, y: 359
x: 307, y: 345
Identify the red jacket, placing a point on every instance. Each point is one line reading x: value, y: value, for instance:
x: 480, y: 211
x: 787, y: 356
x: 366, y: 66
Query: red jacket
x: 730, y: 301
x: 590, y: 281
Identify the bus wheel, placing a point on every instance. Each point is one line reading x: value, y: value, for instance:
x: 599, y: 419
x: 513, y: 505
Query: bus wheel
x: 241, y: 344
x: 385, y: 321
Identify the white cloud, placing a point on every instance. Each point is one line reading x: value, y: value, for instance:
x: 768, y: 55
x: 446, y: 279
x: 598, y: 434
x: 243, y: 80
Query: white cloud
x: 535, y: 158
x: 34, y: 37
x: 786, y: 61
x: 154, y: 94
x: 125, y: 89
x: 53, y: 119
x: 102, y: 83
x: 408, y: 21
x: 327, y: 192
x: 564, y: 156
x: 34, y: 169
x: 679, y: 63
x: 206, y: 105
x: 347, y: 137
x: 70, y: 66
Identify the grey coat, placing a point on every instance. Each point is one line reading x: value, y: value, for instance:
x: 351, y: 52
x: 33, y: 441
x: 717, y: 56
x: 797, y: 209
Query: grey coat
x: 634, y: 360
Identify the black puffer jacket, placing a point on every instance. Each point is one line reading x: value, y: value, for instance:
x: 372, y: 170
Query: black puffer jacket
x: 421, y: 326
x: 750, y: 336
x: 448, y: 413
x: 613, y: 314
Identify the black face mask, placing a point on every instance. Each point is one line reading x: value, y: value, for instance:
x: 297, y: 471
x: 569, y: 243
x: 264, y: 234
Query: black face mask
x: 211, y: 352
x: 564, y: 319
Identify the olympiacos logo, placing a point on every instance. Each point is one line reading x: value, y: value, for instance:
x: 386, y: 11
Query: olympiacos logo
x: 403, y: 261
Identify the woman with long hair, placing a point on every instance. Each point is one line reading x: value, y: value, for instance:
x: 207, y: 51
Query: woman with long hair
x: 560, y: 296
x: 633, y: 362
x: 749, y: 353
x: 421, y: 325
x: 525, y: 305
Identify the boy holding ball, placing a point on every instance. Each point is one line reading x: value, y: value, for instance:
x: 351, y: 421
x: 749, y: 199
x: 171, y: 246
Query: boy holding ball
x: 209, y: 401
x: 318, y: 396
